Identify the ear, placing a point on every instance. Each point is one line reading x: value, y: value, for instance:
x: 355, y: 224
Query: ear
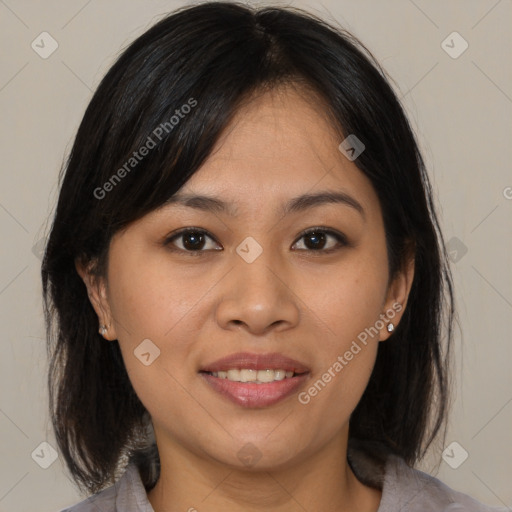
x: 97, y: 292
x: 397, y: 296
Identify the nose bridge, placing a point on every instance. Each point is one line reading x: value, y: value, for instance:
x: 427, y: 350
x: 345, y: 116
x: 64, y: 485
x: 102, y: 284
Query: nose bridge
x: 258, y: 271
x: 257, y: 294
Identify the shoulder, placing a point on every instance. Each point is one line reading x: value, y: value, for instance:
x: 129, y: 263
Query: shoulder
x: 405, y: 488
x: 104, y: 501
x: 126, y: 495
x: 410, y: 489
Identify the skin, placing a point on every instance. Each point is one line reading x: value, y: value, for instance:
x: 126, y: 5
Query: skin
x: 306, y: 304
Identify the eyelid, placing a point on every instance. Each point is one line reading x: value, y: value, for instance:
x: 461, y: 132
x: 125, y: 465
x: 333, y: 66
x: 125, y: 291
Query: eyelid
x: 191, y: 229
x: 340, y: 237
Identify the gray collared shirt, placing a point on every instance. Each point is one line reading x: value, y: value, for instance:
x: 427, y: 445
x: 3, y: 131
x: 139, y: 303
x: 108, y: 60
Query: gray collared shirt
x: 403, y: 488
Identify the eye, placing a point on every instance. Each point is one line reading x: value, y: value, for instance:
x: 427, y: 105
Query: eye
x: 315, y: 239
x: 191, y: 240
x: 194, y: 241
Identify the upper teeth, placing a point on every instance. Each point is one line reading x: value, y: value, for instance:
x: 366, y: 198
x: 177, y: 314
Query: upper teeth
x: 258, y: 376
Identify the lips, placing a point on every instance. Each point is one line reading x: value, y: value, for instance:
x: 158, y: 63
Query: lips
x: 249, y: 361
x: 255, y: 394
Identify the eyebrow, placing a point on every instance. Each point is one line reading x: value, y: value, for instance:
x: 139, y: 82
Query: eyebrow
x: 294, y: 205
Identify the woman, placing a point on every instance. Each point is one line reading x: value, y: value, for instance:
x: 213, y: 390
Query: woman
x: 247, y: 297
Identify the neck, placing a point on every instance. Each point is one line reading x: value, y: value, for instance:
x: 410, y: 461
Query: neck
x: 323, y: 480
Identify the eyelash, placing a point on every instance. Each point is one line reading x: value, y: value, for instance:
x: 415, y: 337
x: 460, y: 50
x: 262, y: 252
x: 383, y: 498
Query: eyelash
x: 340, y: 238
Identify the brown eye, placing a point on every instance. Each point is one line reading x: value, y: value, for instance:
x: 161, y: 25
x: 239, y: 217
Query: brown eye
x: 316, y: 240
x: 195, y: 240
x: 191, y: 240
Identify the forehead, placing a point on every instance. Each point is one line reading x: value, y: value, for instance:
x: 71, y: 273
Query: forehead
x: 280, y: 144
x: 286, y: 123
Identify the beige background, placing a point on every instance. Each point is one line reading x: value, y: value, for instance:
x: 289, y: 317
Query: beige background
x: 461, y: 109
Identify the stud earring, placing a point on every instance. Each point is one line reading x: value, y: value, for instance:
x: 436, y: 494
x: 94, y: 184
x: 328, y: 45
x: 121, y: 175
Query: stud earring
x: 390, y: 327
x: 103, y: 330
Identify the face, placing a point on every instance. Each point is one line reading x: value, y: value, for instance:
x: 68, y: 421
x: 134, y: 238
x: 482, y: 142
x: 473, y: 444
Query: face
x: 277, y: 282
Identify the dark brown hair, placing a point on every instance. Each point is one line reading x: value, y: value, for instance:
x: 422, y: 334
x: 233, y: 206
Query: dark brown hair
x: 217, y: 54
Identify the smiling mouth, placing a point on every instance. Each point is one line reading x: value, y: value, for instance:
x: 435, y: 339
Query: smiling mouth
x: 255, y: 380
x: 247, y: 375
x: 256, y: 389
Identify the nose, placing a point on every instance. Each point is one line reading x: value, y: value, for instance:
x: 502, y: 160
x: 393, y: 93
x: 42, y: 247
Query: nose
x: 258, y: 297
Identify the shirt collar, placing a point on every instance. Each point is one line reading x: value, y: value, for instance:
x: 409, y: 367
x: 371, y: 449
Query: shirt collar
x: 373, y: 468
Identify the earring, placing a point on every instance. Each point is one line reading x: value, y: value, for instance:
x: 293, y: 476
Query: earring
x: 390, y: 327
x: 103, y: 330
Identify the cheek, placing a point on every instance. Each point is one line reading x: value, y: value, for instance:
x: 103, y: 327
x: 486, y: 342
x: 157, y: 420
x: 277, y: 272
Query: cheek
x: 149, y: 297
x: 151, y: 300
x: 348, y: 349
x: 349, y: 299
x: 331, y: 397
x: 347, y: 307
